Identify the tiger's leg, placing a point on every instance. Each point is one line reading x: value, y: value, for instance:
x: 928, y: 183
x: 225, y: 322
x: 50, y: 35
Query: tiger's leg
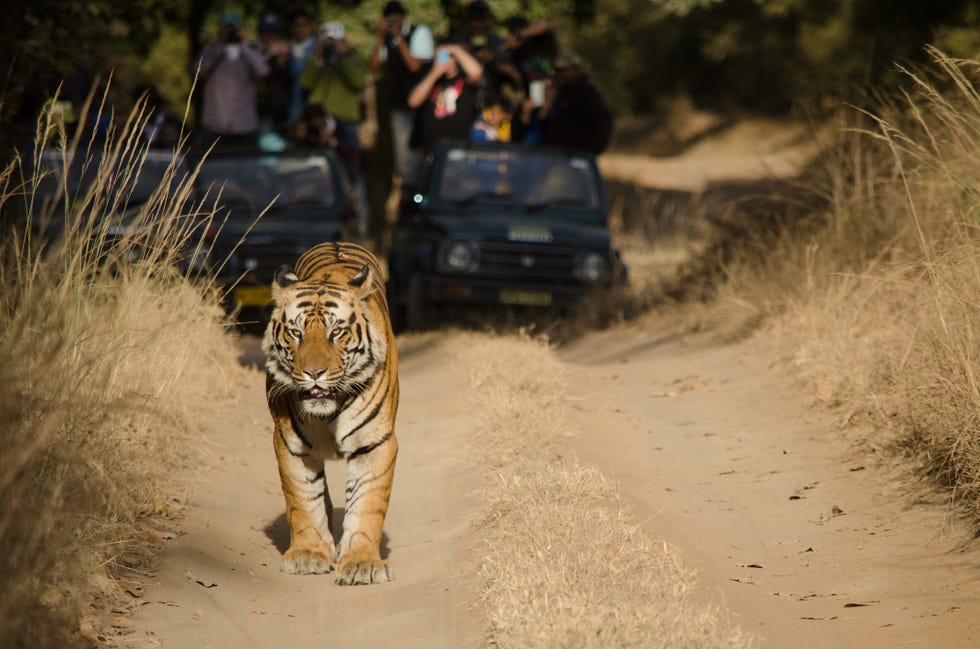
x: 369, y: 476
x: 308, y: 505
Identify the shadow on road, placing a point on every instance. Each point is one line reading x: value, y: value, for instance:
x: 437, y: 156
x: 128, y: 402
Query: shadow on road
x: 277, y: 531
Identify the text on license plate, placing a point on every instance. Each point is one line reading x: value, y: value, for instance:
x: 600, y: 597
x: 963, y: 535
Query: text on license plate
x: 526, y: 298
x: 253, y: 296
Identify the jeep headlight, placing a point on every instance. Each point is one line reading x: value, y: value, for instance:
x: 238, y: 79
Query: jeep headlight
x: 592, y: 268
x: 461, y: 256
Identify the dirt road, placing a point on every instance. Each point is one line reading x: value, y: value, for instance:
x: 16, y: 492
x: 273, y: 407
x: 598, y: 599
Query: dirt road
x: 220, y: 585
x: 808, y: 540
x: 812, y: 540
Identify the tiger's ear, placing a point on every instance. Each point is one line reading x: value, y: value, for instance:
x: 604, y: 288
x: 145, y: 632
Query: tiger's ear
x: 357, y: 281
x: 283, y: 278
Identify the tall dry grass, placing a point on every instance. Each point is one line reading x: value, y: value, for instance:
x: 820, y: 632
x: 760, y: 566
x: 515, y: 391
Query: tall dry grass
x: 108, y: 366
x: 563, y: 563
x: 879, y: 308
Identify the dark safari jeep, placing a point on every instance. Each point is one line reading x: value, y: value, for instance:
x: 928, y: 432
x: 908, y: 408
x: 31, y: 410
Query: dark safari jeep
x: 499, y: 224
x: 271, y: 208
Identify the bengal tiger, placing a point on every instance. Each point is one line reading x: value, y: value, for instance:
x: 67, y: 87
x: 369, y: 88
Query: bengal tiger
x: 332, y: 388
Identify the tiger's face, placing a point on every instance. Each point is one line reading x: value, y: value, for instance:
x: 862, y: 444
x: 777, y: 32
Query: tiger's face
x: 319, y: 343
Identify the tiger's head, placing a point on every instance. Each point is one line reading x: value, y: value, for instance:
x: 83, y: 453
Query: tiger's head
x: 324, y: 341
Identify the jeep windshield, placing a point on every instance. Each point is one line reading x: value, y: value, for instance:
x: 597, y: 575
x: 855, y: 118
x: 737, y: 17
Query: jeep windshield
x: 248, y: 184
x: 537, y: 182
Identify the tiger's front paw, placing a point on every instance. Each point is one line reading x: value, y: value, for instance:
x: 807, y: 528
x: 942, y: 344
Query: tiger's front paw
x: 375, y: 571
x: 302, y: 561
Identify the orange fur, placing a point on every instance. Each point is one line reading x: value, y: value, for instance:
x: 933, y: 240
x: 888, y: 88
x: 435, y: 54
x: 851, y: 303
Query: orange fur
x: 332, y: 388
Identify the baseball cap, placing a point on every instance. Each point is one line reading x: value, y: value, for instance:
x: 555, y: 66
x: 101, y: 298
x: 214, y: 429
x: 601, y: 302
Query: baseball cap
x: 269, y: 23
x: 516, y: 23
x: 393, y: 7
x: 332, y: 30
x: 230, y: 18
x: 478, y: 10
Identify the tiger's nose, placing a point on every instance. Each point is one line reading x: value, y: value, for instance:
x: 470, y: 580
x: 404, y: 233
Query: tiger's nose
x: 315, y: 372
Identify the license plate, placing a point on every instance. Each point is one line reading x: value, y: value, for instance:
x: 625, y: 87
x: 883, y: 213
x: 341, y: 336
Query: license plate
x: 526, y: 298
x: 253, y: 296
x: 529, y: 234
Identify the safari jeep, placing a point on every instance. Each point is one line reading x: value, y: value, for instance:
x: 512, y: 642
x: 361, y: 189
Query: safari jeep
x: 500, y: 224
x: 270, y: 208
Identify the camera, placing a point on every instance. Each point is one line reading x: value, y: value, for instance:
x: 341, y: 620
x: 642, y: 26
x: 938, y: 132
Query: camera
x: 231, y: 34
x: 329, y: 51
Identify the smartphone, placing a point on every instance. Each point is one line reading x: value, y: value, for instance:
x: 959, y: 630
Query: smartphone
x: 535, y: 90
x: 442, y: 56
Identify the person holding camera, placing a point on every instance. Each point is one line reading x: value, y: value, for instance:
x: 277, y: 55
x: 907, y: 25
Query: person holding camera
x: 577, y: 117
x: 230, y: 70
x: 447, y: 98
x: 302, y: 43
x: 275, y: 94
x: 334, y: 78
x: 400, y: 51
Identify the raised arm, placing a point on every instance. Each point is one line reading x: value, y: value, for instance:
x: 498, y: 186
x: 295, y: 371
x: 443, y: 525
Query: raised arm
x: 422, y: 89
x: 472, y: 68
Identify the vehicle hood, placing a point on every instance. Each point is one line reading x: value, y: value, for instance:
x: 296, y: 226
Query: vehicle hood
x: 517, y: 228
x: 278, y: 230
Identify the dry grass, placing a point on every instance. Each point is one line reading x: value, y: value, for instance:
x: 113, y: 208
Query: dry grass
x: 562, y: 562
x: 105, y: 366
x: 879, y: 308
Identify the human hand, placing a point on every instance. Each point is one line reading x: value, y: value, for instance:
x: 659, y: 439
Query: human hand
x: 278, y: 49
x: 512, y: 42
x: 389, y: 26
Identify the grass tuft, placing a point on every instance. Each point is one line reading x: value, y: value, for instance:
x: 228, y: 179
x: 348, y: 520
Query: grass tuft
x: 878, y: 305
x: 562, y: 561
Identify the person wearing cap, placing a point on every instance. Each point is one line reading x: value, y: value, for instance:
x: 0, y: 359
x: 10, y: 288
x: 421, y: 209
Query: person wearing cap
x: 230, y: 70
x: 400, y: 51
x: 447, y: 98
x: 334, y: 78
x: 302, y: 44
x: 579, y: 118
x: 477, y: 33
x: 275, y: 93
x: 478, y: 36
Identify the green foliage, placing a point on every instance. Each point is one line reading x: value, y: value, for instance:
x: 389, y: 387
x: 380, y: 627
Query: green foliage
x: 766, y: 55
x: 726, y: 55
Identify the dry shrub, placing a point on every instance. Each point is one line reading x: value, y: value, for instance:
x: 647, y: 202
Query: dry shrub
x: 881, y: 309
x: 105, y: 367
x: 562, y: 562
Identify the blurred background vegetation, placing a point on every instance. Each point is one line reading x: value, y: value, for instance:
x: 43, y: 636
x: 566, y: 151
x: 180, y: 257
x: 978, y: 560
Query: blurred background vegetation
x: 748, y: 56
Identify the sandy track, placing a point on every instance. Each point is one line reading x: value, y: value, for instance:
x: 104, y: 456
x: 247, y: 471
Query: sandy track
x: 811, y: 541
x: 719, y: 455
x: 220, y: 587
